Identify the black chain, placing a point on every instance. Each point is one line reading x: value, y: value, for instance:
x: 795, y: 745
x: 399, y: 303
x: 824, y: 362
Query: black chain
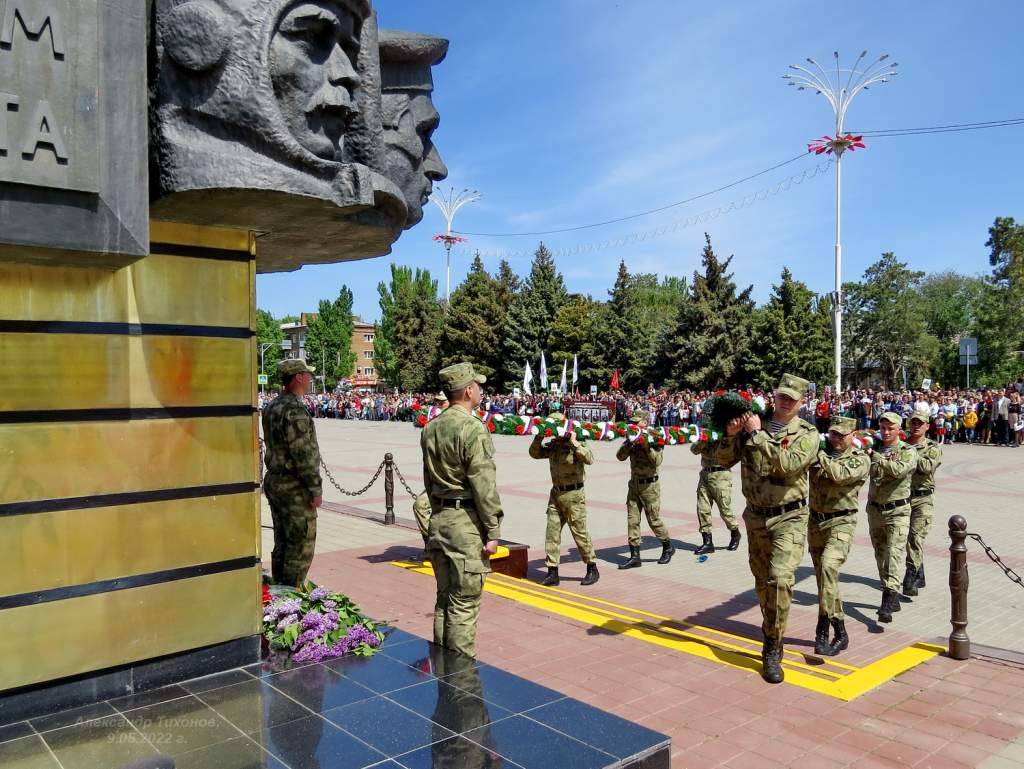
x: 398, y: 472
x: 1013, y: 576
x: 363, y: 490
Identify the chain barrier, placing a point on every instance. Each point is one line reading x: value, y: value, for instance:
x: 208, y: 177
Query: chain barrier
x: 994, y: 557
x: 363, y: 490
x: 398, y: 472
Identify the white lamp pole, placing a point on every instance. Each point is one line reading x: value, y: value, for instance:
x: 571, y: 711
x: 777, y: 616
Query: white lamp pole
x: 450, y: 203
x: 839, y: 95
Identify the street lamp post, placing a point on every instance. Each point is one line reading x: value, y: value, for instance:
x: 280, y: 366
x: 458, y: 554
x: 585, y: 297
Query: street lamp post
x: 450, y: 203
x: 839, y: 96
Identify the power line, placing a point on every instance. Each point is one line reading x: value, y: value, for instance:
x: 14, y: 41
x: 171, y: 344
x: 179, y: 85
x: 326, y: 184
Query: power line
x: 875, y: 134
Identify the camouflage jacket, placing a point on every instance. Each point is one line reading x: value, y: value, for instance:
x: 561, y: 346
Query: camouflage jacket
x: 891, y: 470
x: 773, y: 468
x: 291, y: 447
x: 644, y: 459
x: 929, y: 457
x: 566, y: 462
x: 458, y: 463
x: 835, y: 480
x: 708, y: 451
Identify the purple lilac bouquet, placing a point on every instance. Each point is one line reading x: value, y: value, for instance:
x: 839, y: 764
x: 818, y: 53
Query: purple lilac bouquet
x: 313, y: 624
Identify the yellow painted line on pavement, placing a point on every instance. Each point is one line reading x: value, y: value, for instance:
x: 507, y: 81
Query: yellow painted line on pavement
x: 845, y: 686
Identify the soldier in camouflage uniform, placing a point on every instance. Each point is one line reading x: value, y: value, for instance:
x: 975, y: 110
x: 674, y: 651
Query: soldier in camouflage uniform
x: 421, y: 505
x: 773, y: 473
x: 892, y: 465
x: 465, y: 514
x: 644, y: 494
x: 836, y: 478
x: 292, y: 482
x: 567, y: 504
x: 714, y: 485
x: 922, y: 499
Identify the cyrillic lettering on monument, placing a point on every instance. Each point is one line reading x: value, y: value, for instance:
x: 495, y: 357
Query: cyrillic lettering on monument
x: 49, y: 73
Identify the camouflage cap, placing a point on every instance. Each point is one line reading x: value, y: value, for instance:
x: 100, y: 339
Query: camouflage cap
x: 558, y: 416
x: 639, y: 416
x: 842, y: 425
x: 892, y: 417
x: 922, y: 415
x: 458, y: 375
x: 441, y: 397
x: 793, y: 386
x: 294, y: 366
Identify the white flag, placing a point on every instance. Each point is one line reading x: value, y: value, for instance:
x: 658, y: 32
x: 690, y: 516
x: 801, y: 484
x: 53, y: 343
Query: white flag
x: 543, y: 372
x: 575, y: 372
x: 561, y: 387
x: 527, y: 378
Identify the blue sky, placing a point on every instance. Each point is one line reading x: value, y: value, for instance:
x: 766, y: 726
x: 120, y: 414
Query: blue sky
x: 569, y: 112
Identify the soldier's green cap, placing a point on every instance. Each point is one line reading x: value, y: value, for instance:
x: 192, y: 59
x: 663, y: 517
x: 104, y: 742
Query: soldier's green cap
x: 793, y: 386
x: 842, y: 425
x: 639, y: 416
x: 921, y: 415
x: 441, y: 397
x: 558, y: 416
x: 294, y: 366
x: 458, y: 375
x: 891, y: 417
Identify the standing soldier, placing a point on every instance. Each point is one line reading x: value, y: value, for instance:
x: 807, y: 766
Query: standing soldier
x: 922, y: 500
x: 835, y: 479
x: 773, y: 473
x: 465, y: 517
x: 421, y: 505
x: 567, y: 504
x: 644, y: 493
x: 892, y: 465
x: 714, y: 485
x: 292, y: 482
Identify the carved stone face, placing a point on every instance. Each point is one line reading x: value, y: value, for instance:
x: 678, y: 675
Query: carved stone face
x: 312, y: 68
x: 413, y: 161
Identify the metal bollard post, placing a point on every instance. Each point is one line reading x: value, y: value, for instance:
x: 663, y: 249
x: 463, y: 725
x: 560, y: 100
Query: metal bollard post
x: 389, y: 489
x: 959, y: 643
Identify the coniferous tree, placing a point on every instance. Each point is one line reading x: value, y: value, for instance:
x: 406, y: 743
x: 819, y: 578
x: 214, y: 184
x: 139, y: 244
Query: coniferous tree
x: 474, y: 319
x: 709, y: 338
x: 406, y: 344
x: 329, y: 339
x: 508, y: 284
x: 528, y: 322
x: 576, y: 331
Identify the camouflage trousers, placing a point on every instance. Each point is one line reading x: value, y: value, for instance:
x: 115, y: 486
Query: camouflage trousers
x: 455, y: 548
x: 888, y: 532
x: 567, y: 507
x: 714, y: 487
x: 829, y: 542
x: 294, y: 529
x: 775, y: 547
x: 644, y: 498
x: 921, y: 510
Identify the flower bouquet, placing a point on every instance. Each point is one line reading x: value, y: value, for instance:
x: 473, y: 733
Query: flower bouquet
x: 313, y: 624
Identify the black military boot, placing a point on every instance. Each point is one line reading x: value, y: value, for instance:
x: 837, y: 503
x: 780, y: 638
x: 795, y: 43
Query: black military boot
x: 910, y: 581
x: 707, y: 547
x: 885, y: 609
x: 667, y: 551
x: 734, y: 539
x: 821, y: 636
x: 771, y: 661
x: 552, y: 578
x: 592, y: 575
x: 634, y: 558
x: 841, y: 641
x: 920, y: 575
x: 896, y: 605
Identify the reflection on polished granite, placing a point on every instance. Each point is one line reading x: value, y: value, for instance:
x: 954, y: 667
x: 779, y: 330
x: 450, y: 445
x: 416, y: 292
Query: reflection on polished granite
x: 412, y: 706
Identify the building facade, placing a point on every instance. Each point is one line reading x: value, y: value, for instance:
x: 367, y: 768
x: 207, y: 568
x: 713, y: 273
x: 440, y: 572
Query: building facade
x: 365, y: 373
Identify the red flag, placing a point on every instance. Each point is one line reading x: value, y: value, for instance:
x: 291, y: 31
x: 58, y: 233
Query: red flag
x: 615, y: 380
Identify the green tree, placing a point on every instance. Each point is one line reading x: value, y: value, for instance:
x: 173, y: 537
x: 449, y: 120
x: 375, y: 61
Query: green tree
x: 268, y: 332
x: 950, y: 304
x: 528, y: 322
x: 708, y: 339
x: 407, y: 338
x: 1006, y: 251
x: 575, y: 330
x: 791, y: 334
x: 329, y: 339
x: 508, y: 284
x: 474, y: 319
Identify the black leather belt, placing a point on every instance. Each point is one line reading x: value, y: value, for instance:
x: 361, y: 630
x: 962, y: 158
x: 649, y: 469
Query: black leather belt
x: 643, y: 481
x: 458, y: 503
x: 768, y: 512
x: 921, y: 493
x: 571, y: 487
x: 892, y: 505
x: 713, y: 469
x: 829, y: 516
